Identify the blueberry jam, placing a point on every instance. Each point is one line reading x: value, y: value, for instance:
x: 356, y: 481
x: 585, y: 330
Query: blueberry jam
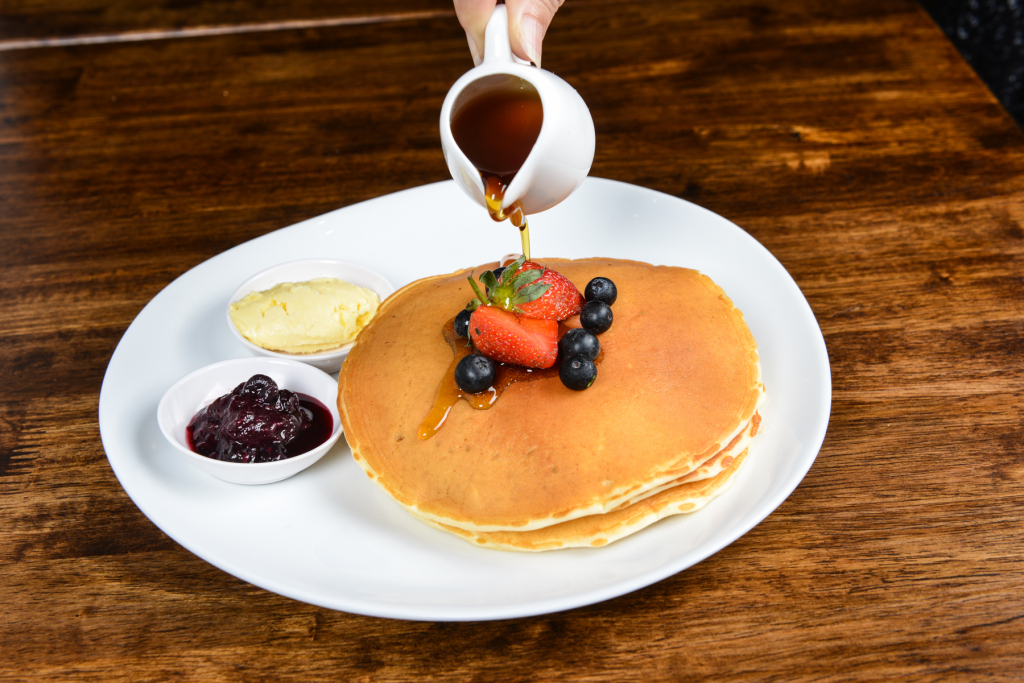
x: 257, y: 422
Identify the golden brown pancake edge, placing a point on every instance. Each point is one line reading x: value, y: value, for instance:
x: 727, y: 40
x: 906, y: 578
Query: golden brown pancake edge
x: 597, y: 531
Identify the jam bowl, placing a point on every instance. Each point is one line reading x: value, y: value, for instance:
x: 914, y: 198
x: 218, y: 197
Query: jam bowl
x: 302, y: 271
x: 199, y: 389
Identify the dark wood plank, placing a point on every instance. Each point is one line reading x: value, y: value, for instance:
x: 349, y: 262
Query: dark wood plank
x: 850, y: 139
x: 26, y: 20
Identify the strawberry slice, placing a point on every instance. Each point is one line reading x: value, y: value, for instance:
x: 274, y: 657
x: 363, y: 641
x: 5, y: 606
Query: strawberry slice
x: 561, y: 300
x: 510, y: 338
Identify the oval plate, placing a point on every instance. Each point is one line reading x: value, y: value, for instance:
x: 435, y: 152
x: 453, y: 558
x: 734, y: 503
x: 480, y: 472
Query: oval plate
x: 329, y: 536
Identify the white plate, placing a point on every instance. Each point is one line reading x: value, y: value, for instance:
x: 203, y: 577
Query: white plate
x: 329, y: 536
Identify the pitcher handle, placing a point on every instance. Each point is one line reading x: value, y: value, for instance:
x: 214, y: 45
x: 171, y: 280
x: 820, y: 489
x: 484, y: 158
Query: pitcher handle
x: 497, y: 47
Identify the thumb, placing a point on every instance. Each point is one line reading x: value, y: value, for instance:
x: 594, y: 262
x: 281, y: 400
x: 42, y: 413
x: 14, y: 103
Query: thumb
x: 528, y: 21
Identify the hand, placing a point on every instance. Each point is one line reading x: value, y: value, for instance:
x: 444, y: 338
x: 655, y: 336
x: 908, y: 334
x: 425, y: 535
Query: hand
x: 528, y: 21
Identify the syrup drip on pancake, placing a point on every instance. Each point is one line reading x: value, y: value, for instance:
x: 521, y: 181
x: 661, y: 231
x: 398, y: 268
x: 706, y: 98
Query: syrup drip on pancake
x: 449, y: 393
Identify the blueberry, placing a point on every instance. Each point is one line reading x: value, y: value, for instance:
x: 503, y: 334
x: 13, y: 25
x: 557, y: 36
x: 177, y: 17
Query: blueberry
x: 474, y: 373
x: 577, y: 372
x: 462, y: 323
x: 259, y: 387
x: 578, y: 342
x: 601, y: 289
x: 596, y: 316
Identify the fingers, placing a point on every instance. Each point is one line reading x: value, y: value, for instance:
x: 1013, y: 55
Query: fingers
x: 528, y: 21
x: 474, y: 15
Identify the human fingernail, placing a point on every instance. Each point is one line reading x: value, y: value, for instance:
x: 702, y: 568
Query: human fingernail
x: 477, y: 58
x: 531, y: 35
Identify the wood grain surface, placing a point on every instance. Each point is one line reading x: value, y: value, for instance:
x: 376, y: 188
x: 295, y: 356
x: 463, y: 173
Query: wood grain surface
x: 849, y: 138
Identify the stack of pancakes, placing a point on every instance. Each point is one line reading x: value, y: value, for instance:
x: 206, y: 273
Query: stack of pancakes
x: 662, y: 431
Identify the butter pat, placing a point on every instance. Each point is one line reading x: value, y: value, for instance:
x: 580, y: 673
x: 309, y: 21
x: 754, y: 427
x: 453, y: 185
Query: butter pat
x: 304, y: 317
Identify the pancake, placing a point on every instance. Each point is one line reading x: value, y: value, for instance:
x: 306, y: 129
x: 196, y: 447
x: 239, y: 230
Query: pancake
x: 714, y: 466
x: 679, y: 381
x: 595, y: 531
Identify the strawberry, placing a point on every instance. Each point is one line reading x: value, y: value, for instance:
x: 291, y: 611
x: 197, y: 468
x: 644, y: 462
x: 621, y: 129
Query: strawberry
x: 561, y: 300
x: 529, y: 289
x: 500, y: 327
x: 511, y: 338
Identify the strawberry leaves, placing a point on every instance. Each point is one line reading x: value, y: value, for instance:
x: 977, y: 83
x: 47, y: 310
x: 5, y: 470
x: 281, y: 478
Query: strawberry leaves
x: 480, y: 298
x: 530, y: 292
x: 509, y: 291
x: 488, y: 280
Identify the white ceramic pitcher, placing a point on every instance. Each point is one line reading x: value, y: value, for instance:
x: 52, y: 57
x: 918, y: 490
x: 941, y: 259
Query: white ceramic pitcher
x: 564, y: 151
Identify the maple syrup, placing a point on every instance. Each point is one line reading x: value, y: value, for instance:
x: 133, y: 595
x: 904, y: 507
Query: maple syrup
x: 449, y: 393
x: 496, y: 126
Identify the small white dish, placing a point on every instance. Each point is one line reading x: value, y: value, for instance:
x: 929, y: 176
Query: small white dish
x: 200, y: 388
x: 300, y: 271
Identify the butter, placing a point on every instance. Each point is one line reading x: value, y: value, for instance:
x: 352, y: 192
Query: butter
x: 304, y: 317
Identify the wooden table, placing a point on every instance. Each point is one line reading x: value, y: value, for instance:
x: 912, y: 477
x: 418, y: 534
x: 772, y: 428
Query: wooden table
x: 849, y: 138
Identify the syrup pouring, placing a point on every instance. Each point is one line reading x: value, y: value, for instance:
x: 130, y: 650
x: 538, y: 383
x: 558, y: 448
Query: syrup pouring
x: 517, y: 139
